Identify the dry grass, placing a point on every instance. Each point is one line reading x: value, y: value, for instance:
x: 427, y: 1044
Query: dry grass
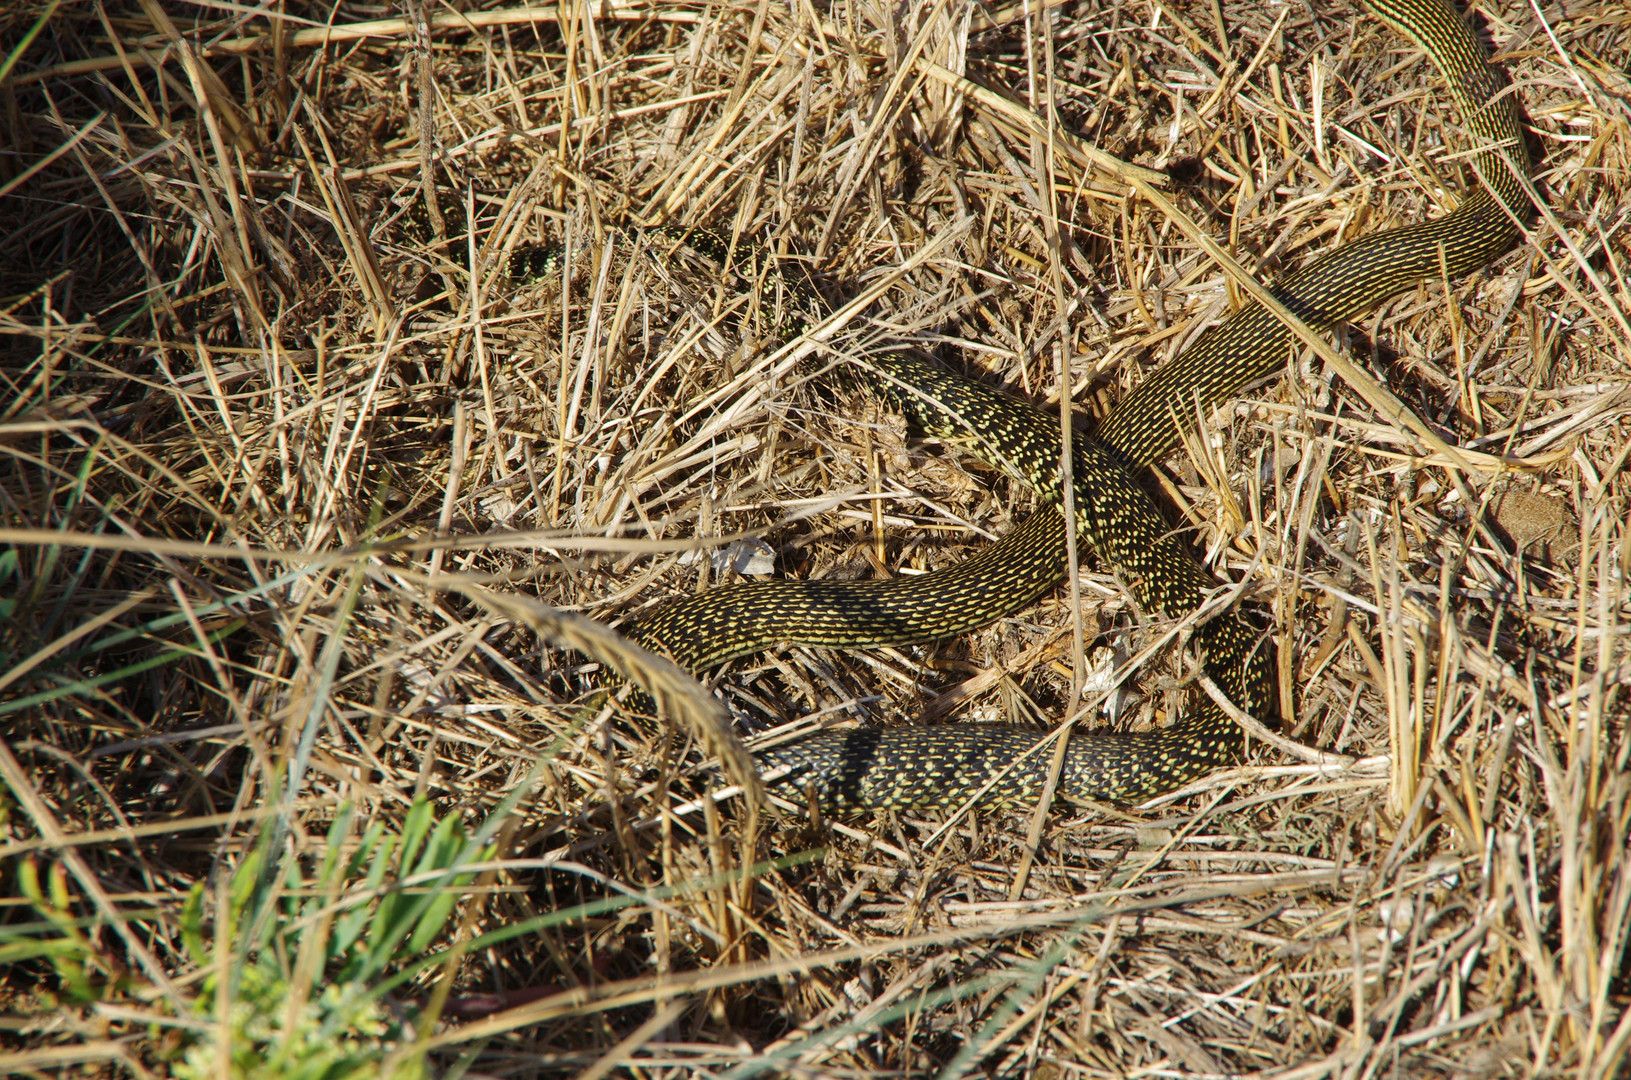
x: 227, y: 372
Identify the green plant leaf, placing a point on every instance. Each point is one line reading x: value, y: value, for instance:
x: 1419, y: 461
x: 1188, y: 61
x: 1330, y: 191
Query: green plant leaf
x: 192, y: 925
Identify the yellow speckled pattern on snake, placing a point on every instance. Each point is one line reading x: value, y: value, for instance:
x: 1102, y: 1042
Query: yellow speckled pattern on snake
x: 918, y: 767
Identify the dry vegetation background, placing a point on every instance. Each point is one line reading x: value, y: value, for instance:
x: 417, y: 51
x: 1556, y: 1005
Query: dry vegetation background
x: 240, y: 348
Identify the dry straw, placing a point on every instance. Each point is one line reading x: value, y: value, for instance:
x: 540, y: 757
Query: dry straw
x: 293, y: 466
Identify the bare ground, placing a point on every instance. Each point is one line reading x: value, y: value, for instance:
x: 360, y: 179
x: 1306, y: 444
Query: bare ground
x: 237, y: 352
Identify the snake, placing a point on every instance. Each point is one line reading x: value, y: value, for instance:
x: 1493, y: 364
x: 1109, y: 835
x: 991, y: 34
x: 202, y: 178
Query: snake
x: 918, y: 767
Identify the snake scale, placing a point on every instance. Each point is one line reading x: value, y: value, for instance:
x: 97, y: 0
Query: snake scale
x: 915, y: 767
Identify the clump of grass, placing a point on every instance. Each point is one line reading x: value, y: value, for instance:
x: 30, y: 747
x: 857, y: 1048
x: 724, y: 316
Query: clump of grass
x: 295, y: 963
x: 296, y: 971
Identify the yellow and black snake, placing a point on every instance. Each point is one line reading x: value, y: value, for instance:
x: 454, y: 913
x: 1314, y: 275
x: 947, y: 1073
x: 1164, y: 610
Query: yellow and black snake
x: 919, y: 767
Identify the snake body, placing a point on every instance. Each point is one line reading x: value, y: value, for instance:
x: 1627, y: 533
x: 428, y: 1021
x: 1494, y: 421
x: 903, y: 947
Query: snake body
x: 927, y: 767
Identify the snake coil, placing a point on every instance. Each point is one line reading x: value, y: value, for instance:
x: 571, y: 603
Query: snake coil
x: 927, y: 767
